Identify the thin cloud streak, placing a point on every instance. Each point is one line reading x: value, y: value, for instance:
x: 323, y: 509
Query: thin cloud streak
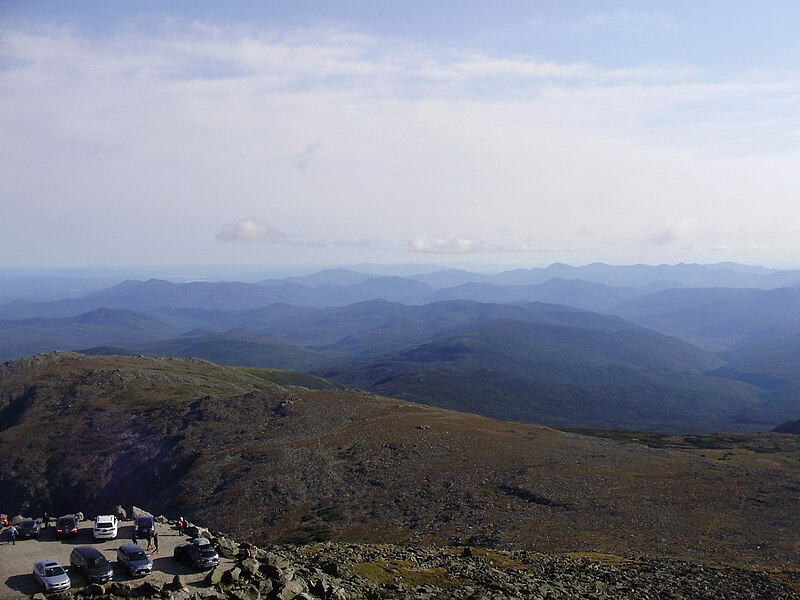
x: 465, y: 245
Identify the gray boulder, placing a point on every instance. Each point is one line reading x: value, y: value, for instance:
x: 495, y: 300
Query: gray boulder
x: 250, y: 567
x: 232, y: 576
x: 178, y: 582
x: 292, y: 589
x: 266, y: 586
x: 334, y: 569
x: 137, y: 512
x: 121, y: 589
x: 150, y: 588
x: 214, y: 576
x: 227, y: 548
x: 193, y: 531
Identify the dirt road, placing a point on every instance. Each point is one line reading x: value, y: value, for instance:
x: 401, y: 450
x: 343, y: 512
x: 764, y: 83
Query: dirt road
x: 16, y: 561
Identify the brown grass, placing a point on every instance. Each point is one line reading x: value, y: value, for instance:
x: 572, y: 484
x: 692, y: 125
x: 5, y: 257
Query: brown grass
x: 403, y: 572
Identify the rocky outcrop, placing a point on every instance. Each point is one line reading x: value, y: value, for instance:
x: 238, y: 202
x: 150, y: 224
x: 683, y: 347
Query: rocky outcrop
x: 333, y: 571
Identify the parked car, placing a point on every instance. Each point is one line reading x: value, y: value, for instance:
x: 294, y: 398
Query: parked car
x: 51, y: 576
x: 28, y: 528
x: 67, y: 526
x: 105, y: 527
x: 199, y: 553
x: 134, y: 559
x: 91, y: 563
x: 145, y: 525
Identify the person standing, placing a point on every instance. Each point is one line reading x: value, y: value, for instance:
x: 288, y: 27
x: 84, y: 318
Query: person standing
x: 147, y: 537
x: 155, y: 543
x: 46, y: 520
x: 13, y: 533
x: 181, y: 525
x: 135, y: 540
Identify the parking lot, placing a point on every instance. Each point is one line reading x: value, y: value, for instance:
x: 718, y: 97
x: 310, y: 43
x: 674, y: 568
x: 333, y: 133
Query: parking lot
x: 16, y: 561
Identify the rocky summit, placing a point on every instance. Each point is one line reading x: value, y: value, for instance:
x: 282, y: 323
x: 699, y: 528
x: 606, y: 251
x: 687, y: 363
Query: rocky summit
x: 339, y: 571
x: 336, y: 571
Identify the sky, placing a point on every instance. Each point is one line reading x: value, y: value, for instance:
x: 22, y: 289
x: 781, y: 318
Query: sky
x: 451, y: 132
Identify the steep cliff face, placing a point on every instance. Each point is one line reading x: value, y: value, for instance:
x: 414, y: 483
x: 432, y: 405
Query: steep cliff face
x: 271, y: 463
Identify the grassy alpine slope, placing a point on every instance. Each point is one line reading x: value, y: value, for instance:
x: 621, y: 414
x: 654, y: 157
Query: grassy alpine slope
x: 266, y: 462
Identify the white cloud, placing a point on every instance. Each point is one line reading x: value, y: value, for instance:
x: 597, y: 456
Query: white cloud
x: 252, y: 231
x: 675, y: 232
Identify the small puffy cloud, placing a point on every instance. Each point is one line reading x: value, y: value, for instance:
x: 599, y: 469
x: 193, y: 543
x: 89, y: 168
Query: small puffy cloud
x: 253, y: 231
x: 677, y: 232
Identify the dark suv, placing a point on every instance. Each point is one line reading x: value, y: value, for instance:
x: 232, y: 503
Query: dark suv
x: 29, y: 528
x: 67, y: 526
x: 199, y: 553
x: 134, y: 559
x: 89, y: 561
x: 145, y: 527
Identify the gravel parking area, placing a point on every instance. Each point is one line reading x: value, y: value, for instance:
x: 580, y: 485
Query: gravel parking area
x: 16, y: 561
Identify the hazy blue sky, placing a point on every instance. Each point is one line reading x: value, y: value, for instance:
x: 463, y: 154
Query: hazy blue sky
x: 195, y: 132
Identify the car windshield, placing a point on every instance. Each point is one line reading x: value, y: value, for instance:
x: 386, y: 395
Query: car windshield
x: 96, y: 561
x: 65, y: 522
x: 140, y: 555
x: 28, y: 524
x: 104, y: 523
x: 208, y: 553
x: 53, y: 571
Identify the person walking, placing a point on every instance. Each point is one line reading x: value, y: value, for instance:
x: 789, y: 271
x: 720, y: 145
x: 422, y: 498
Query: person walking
x: 155, y: 543
x: 135, y: 539
x: 13, y: 533
x: 46, y: 520
x: 147, y: 537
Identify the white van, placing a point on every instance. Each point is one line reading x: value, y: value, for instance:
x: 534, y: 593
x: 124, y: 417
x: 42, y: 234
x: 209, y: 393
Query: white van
x: 105, y: 527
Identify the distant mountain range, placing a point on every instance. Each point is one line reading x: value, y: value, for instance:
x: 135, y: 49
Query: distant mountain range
x: 506, y: 345
x: 595, y: 287
x: 102, y: 326
x: 717, y: 318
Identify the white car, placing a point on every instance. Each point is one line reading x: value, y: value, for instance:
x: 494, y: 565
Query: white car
x: 51, y: 576
x: 105, y: 527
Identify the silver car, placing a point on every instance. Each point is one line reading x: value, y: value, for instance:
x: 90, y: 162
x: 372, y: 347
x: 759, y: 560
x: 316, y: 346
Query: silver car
x: 51, y: 576
x: 134, y: 559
